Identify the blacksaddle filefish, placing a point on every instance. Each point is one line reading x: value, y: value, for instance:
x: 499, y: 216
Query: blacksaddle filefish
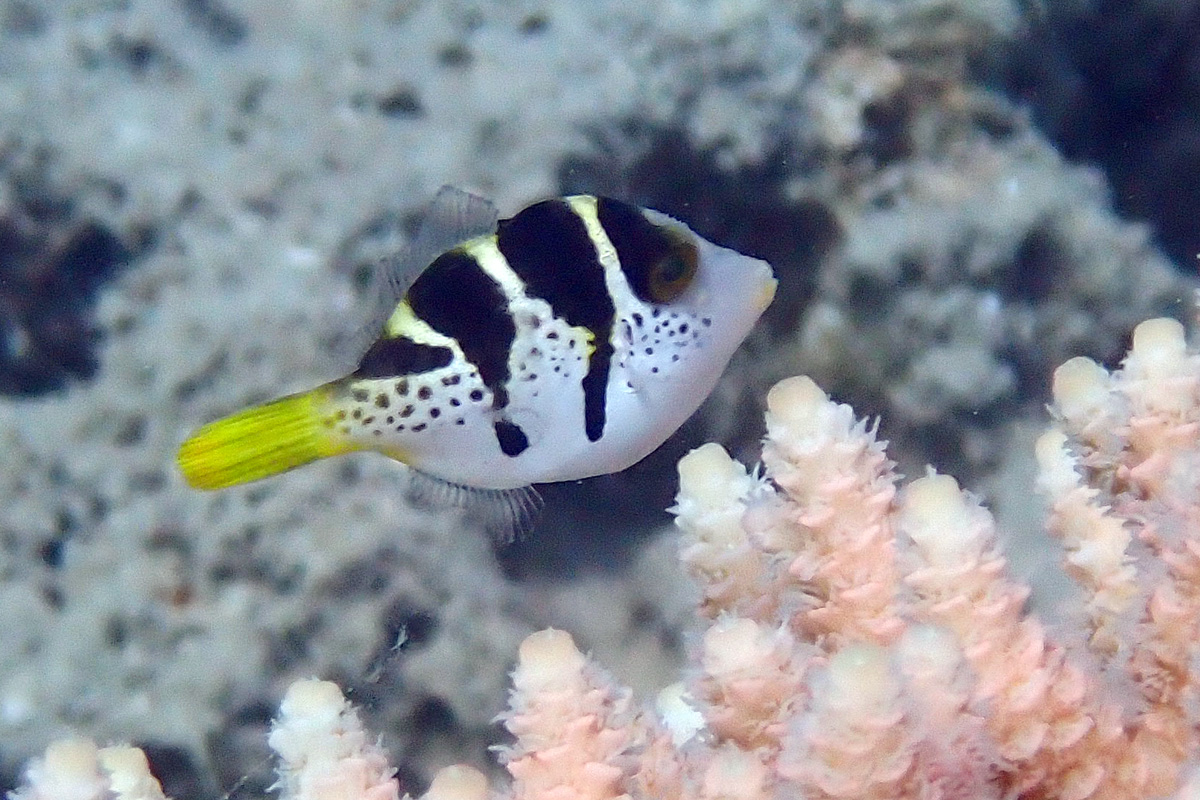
x: 565, y: 342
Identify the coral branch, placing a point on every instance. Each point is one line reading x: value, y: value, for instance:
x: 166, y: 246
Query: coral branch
x: 839, y: 485
x: 324, y: 753
x: 75, y: 769
x: 573, y: 727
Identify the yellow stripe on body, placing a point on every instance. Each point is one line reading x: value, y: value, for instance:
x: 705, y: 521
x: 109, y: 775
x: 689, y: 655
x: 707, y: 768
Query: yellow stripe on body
x: 486, y: 252
x: 404, y: 322
x: 261, y: 441
x: 584, y: 206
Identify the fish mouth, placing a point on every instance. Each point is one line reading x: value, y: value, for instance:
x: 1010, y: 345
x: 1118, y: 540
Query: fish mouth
x: 766, y: 290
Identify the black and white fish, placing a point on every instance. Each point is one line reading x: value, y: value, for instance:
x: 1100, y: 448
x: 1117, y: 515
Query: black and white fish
x: 568, y: 341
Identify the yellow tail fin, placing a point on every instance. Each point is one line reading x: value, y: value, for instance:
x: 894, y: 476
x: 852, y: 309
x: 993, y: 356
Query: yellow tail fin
x: 259, y: 442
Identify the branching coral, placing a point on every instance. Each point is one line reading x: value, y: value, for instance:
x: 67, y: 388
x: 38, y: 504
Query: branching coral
x: 862, y: 639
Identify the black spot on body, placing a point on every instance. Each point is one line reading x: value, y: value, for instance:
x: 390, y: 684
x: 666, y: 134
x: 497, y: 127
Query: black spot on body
x: 401, y: 356
x: 458, y: 299
x: 511, y: 438
x: 360, y: 395
x: 381, y: 400
x: 424, y: 393
x: 548, y: 246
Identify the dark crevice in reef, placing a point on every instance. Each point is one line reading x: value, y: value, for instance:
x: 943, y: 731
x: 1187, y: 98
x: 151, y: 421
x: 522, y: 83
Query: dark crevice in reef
x: 1113, y: 82
x: 53, y: 263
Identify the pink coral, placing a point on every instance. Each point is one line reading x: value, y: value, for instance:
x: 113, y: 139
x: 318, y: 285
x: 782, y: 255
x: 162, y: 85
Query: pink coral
x: 572, y: 726
x: 76, y: 769
x: 324, y: 752
x: 865, y: 640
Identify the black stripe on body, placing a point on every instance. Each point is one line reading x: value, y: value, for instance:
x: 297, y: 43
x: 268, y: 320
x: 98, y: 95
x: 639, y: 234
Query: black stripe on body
x: 456, y: 298
x: 512, y: 439
x: 548, y: 247
x: 393, y: 357
x: 640, y: 244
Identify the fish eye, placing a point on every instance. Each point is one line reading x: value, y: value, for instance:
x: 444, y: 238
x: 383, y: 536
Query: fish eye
x: 673, y: 273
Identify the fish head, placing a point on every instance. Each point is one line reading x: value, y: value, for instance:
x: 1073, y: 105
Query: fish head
x: 709, y: 282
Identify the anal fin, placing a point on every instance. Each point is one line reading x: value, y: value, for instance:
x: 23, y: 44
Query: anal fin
x: 506, y: 514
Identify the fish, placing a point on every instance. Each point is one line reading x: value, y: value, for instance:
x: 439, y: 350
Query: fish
x: 567, y: 341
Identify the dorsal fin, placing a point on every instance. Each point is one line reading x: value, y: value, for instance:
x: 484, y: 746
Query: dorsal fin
x: 452, y: 217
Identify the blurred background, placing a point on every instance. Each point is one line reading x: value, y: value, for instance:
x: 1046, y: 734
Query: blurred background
x: 194, y: 196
